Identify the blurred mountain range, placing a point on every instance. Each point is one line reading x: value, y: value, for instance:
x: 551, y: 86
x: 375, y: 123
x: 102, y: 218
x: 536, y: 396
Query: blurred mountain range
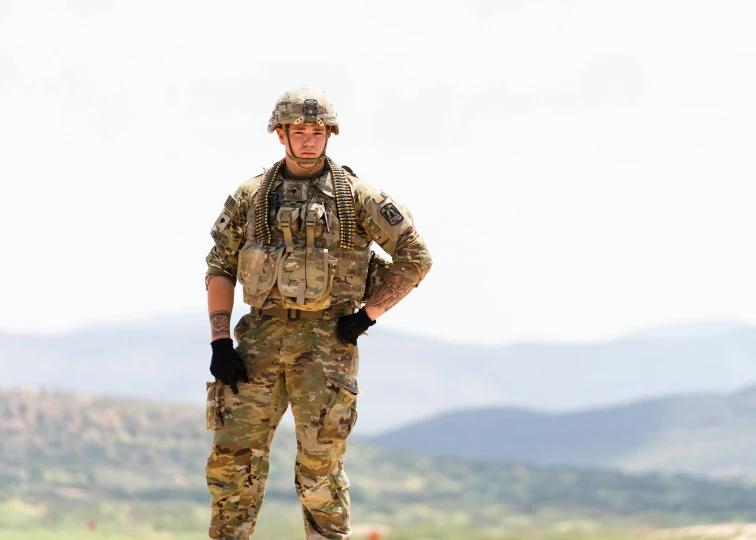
x: 709, y: 434
x: 403, y: 378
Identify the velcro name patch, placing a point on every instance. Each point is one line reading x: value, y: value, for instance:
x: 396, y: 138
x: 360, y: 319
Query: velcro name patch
x: 219, y: 238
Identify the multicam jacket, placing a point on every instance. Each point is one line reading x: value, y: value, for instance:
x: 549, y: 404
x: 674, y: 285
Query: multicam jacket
x: 305, y: 244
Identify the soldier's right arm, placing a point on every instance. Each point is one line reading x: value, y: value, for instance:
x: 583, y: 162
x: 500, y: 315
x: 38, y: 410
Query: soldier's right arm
x: 229, y: 232
x: 229, y: 236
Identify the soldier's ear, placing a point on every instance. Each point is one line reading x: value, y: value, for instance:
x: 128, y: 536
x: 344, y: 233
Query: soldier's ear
x: 279, y: 132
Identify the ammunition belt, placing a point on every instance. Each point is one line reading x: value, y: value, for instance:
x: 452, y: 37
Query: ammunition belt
x: 344, y: 204
x: 262, y: 202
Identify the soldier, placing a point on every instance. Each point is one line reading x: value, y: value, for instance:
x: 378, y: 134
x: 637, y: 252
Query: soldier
x: 298, y: 239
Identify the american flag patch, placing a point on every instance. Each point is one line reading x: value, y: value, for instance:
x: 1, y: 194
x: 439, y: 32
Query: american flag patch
x: 230, y: 205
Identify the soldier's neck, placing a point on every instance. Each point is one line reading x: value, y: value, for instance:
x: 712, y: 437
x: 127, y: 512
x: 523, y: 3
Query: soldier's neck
x: 294, y: 172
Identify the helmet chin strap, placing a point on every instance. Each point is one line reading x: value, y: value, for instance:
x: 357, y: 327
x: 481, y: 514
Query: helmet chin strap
x: 305, y: 163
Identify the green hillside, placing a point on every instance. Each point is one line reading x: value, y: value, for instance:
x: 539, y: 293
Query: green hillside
x: 69, y: 458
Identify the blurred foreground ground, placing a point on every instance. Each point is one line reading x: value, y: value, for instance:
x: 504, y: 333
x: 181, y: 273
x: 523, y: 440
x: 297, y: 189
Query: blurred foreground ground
x: 724, y: 531
x: 282, y: 521
x: 423, y: 534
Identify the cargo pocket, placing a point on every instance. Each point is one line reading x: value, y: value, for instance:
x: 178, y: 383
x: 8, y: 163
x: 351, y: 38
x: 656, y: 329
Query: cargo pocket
x: 304, y: 279
x: 257, y: 271
x: 215, y: 407
x: 340, y: 412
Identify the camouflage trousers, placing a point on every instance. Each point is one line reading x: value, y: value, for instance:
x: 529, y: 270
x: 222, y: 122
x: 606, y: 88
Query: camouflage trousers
x: 299, y: 362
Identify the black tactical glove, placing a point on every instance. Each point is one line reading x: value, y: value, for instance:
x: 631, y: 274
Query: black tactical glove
x: 226, y: 366
x: 350, y: 327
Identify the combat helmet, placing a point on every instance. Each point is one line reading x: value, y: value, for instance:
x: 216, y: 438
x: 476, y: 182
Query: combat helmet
x: 301, y: 105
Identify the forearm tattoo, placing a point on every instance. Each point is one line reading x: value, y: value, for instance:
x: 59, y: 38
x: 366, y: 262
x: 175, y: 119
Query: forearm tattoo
x: 393, y: 289
x: 220, y: 322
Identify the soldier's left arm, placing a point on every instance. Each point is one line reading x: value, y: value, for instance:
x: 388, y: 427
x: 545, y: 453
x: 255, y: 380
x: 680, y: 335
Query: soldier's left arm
x: 390, y: 225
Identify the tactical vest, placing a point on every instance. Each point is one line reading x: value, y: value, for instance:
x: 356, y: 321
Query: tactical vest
x: 302, y: 250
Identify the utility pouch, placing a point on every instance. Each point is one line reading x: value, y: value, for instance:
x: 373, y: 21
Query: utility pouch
x: 304, y: 279
x: 257, y: 271
x: 288, y: 223
x: 314, y: 219
x: 351, y: 272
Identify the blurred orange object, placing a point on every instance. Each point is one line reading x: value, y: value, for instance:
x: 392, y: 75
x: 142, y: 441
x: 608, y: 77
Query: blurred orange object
x: 91, y: 525
x: 375, y: 535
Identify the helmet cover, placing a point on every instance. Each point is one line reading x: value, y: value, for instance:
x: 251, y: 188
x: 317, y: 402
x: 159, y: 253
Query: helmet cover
x: 304, y: 104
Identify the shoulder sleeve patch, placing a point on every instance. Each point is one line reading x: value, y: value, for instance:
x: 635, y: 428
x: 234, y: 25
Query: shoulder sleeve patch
x: 391, y: 217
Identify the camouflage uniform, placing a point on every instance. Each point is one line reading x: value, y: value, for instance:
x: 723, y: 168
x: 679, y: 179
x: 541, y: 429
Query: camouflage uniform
x: 302, y: 254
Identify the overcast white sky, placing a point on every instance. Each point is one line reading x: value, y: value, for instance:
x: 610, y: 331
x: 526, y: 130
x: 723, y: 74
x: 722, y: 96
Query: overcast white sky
x: 579, y: 168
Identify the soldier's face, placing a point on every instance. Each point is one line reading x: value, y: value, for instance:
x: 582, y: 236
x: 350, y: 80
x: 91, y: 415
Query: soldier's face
x: 305, y: 140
